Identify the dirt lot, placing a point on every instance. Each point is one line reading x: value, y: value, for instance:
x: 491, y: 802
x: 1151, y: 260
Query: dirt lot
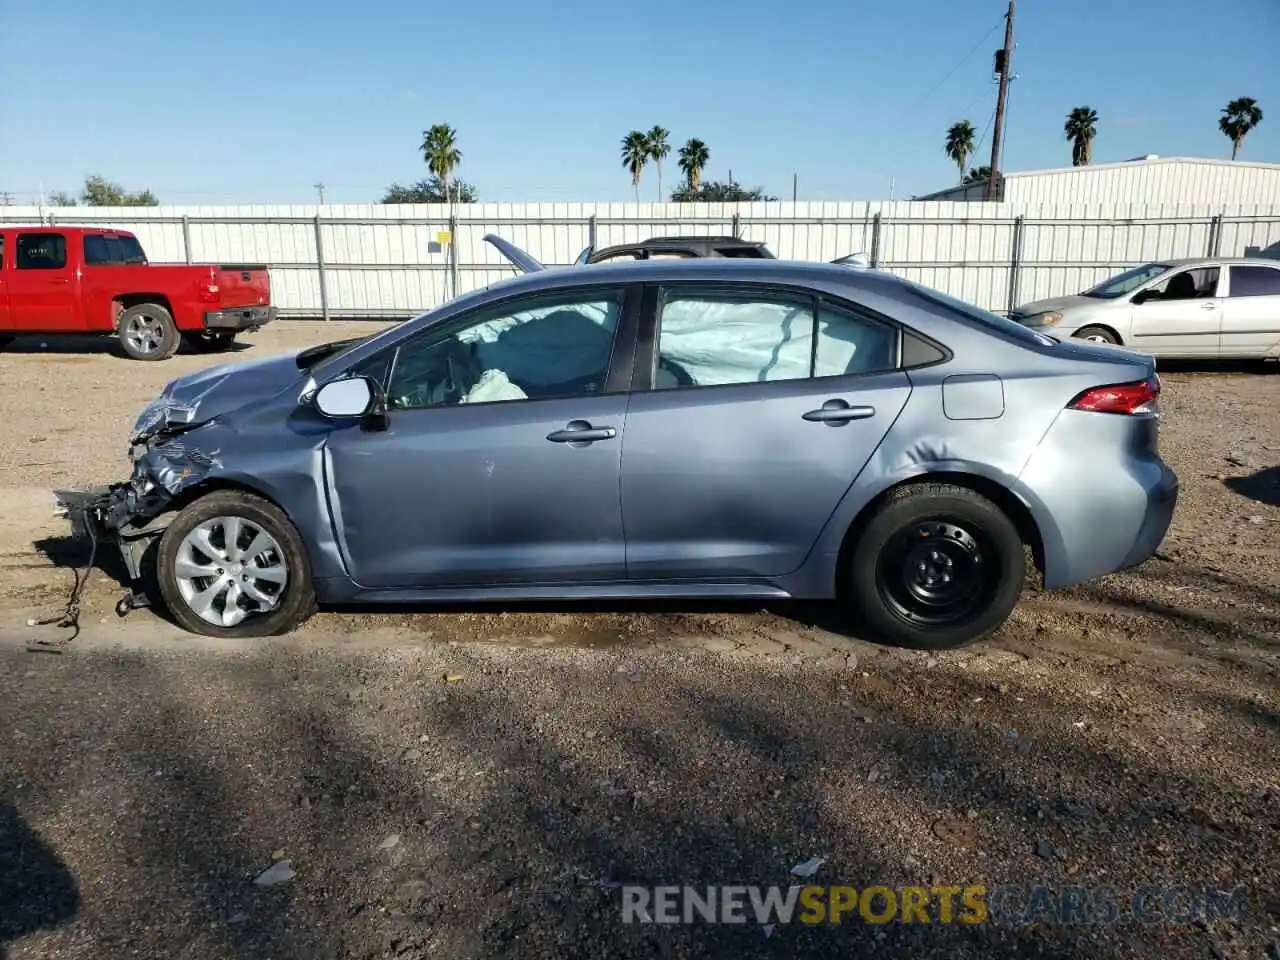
x: 1122, y: 735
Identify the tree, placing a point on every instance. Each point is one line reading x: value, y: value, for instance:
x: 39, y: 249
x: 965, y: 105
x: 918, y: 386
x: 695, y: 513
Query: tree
x: 1081, y: 127
x: 659, y: 148
x: 101, y: 192
x: 715, y: 192
x: 1238, y: 118
x: 978, y: 175
x: 431, y: 190
x: 440, y: 151
x: 693, y: 160
x: 60, y: 198
x: 635, y: 154
x: 959, y: 145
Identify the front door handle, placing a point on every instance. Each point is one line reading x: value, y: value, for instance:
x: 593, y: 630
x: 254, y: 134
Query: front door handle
x: 580, y: 431
x: 837, y: 412
x: 58, y: 280
x: 1209, y: 306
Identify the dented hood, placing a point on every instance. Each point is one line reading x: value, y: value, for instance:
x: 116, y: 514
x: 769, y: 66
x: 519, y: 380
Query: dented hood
x: 200, y: 397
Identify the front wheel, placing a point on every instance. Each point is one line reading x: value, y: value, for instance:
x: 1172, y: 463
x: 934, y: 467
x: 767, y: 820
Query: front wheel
x: 937, y: 566
x: 1096, y: 335
x: 232, y: 565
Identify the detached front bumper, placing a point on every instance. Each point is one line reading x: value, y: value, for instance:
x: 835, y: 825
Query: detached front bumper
x: 244, y: 320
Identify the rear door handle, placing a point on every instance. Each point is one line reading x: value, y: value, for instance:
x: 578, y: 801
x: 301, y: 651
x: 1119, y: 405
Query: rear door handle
x: 837, y: 412
x: 580, y: 431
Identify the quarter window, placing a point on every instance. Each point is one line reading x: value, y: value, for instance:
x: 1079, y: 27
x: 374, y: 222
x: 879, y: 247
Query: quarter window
x: 1255, y: 282
x: 42, y: 251
x: 717, y: 339
x: 543, y: 348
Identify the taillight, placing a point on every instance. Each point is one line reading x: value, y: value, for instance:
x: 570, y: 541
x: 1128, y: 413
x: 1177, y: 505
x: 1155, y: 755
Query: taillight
x: 1127, y: 399
x: 208, y: 292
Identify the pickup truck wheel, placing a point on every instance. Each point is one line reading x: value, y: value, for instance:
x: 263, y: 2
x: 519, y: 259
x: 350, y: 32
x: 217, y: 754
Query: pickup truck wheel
x: 5, y: 340
x: 147, y: 332
x: 207, y: 342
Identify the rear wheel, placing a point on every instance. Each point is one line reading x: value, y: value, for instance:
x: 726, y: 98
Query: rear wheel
x: 5, y: 340
x: 147, y: 332
x: 1096, y: 334
x: 937, y: 566
x: 233, y: 565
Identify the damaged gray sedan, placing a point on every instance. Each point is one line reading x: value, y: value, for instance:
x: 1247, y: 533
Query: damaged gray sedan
x: 669, y: 428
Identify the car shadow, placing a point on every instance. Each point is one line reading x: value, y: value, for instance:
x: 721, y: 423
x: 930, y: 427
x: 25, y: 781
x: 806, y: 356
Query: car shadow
x: 37, y: 891
x: 71, y: 553
x: 1262, y: 486
x: 68, y: 345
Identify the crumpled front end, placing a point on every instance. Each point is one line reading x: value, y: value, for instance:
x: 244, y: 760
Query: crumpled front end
x: 134, y: 512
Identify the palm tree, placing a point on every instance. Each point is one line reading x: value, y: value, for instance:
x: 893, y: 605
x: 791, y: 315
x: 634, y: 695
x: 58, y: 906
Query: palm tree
x: 1081, y: 127
x: 440, y: 151
x: 959, y: 144
x: 658, y: 150
x: 1238, y: 118
x: 693, y: 160
x: 635, y: 154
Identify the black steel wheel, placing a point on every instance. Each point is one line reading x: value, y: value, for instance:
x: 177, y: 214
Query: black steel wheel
x: 937, y: 566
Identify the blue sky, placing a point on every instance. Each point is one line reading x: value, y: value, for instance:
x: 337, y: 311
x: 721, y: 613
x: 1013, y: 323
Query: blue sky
x: 238, y: 101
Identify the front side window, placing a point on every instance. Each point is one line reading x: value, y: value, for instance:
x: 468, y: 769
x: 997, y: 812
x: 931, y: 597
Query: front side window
x: 42, y: 251
x: 722, y: 338
x: 537, y: 349
x: 1197, y: 284
x: 1255, y: 282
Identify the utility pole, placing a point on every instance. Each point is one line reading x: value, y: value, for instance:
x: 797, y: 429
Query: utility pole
x: 320, y: 190
x: 795, y: 187
x: 1004, y: 59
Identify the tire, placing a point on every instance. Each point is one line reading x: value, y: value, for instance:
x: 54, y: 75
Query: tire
x: 292, y: 597
x: 982, y: 594
x: 206, y: 342
x: 1096, y: 334
x: 5, y: 340
x: 147, y: 332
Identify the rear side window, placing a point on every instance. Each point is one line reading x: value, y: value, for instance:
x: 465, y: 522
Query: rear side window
x: 42, y: 251
x: 708, y: 339
x: 103, y: 249
x: 1255, y: 282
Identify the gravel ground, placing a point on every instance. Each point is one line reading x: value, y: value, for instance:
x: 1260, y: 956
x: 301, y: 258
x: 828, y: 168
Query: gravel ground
x: 477, y: 783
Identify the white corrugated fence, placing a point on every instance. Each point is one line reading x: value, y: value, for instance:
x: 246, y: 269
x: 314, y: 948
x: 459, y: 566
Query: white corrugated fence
x: 389, y: 261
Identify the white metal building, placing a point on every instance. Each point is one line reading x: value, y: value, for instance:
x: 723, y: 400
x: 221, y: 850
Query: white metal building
x: 1147, y: 180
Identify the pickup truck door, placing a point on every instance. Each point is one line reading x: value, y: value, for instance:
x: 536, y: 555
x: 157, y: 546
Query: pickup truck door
x: 44, y: 286
x: 5, y: 323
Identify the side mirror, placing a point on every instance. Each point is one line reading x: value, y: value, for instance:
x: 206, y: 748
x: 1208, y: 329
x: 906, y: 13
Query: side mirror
x: 345, y: 399
x: 1142, y: 296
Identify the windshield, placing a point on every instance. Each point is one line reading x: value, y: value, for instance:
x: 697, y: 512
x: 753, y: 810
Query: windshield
x: 1126, y: 282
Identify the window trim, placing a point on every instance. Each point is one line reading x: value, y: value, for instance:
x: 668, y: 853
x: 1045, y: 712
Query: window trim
x: 1231, y: 280
x: 618, y: 374
x: 17, y: 250
x: 646, y: 360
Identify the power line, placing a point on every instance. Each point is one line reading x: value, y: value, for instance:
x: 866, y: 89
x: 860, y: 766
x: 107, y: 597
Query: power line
x: 932, y: 90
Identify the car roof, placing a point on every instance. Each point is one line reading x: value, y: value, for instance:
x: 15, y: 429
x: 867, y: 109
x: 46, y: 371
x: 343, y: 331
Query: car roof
x: 1216, y: 261
x: 804, y: 273
x: 718, y: 241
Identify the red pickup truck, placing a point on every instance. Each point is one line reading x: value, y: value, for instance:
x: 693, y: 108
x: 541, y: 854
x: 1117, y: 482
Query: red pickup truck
x: 59, y: 280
